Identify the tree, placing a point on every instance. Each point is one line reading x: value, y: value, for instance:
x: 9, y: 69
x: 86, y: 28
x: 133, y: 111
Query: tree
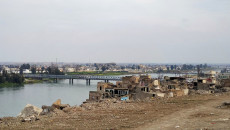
x: 49, y: 70
x: 160, y: 70
x: 54, y: 70
x: 21, y: 71
x: 103, y: 68
x: 12, y: 78
x: 4, y: 73
x: 138, y: 67
x: 175, y: 67
x: 2, y: 79
x: 57, y: 71
x: 33, y: 69
x: 122, y: 67
x: 198, y: 70
x: 205, y: 66
x: 16, y: 78
x: 190, y: 67
x: 201, y: 66
x: 43, y: 68
x: 172, y: 67
x: 77, y: 67
x: 184, y: 67
x: 25, y: 66
x: 1, y: 68
x: 133, y: 67
x: 167, y: 68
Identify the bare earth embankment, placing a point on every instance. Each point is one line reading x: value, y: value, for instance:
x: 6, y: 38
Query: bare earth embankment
x: 188, y: 112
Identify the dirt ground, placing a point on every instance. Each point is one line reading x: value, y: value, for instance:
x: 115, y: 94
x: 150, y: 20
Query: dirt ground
x: 195, y: 112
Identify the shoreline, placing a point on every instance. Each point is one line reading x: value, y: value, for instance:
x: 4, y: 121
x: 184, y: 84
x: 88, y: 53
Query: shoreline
x: 7, y: 84
x: 27, y: 81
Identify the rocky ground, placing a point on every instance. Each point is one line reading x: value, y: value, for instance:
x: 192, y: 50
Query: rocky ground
x: 194, y: 112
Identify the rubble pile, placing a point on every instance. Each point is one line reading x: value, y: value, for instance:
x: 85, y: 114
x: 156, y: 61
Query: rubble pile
x: 143, y: 87
x: 31, y: 113
x: 55, y: 108
x: 30, y: 110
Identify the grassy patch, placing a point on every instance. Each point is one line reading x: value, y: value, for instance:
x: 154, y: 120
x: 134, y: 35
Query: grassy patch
x: 33, y: 81
x: 7, y: 84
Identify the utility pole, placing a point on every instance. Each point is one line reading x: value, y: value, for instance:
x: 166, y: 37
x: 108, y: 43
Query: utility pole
x: 56, y: 62
x: 198, y: 71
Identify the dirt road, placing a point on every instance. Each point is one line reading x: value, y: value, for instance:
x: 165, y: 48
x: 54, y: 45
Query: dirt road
x: 201, y: 117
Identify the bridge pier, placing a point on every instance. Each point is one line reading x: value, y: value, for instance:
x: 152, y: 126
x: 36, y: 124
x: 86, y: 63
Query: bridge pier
x: 55, y: 80
x: 106, y: 81
x: 70, y: 81
x: 87, y: 81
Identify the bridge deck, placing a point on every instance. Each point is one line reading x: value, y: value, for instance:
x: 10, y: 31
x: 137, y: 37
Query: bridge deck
x: 83, y: 77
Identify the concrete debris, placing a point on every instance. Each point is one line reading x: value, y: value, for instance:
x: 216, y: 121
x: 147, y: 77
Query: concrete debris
x: 177, y: 126
x: 29, y: 119
x: 30, y: 110
x: 47, y: 109
x: 57, y: 104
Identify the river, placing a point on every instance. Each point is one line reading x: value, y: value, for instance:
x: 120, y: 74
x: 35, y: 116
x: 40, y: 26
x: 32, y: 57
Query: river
x: 14, y: 99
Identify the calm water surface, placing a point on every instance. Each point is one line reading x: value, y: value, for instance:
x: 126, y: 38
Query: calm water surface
x: 14, y: 99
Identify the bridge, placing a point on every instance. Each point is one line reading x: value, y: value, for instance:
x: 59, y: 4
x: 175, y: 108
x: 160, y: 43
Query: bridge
x: 72, y: 77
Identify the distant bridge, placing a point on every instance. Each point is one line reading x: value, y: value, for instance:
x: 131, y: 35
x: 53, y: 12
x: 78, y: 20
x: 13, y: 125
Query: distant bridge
x: 72, y: 77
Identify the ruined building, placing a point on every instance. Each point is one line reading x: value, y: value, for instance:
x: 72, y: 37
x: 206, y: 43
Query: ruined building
x: 140, y: 87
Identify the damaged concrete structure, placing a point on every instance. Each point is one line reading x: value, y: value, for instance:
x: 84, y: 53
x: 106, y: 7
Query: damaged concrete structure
x: 225, y: 83
x: 144, y: 87
x: 207, y: 84
x: 140, y: 87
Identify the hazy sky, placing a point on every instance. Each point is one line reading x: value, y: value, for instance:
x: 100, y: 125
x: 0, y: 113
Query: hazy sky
x: 153, y: 31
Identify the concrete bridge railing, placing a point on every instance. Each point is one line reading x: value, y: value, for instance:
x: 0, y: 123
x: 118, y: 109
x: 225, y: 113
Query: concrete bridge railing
x: 71, y: 77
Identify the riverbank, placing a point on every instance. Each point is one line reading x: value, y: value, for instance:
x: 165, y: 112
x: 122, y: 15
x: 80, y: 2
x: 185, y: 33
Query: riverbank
x: 33, y: 81
x: 187, y: 112
x: 8, y: 84
x: 27, y: 81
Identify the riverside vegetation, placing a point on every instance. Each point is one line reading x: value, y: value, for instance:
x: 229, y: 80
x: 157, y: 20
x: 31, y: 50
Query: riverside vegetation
x: 12, y: 79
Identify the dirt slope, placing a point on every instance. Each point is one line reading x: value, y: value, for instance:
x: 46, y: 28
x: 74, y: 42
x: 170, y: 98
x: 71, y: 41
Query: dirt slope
x: 202, y: 116
x: 188, y: 112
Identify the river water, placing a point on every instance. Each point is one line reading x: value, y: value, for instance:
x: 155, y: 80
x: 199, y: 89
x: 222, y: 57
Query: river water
x: 14, y: 99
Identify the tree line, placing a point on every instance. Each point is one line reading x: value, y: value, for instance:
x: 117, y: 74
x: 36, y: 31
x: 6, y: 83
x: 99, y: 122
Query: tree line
x: 11, y: 78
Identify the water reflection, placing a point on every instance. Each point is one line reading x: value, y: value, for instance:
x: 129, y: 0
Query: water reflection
x: 11, y: 88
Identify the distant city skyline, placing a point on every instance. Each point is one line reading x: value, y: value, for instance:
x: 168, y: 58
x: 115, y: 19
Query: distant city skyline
x: 130, y: 31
